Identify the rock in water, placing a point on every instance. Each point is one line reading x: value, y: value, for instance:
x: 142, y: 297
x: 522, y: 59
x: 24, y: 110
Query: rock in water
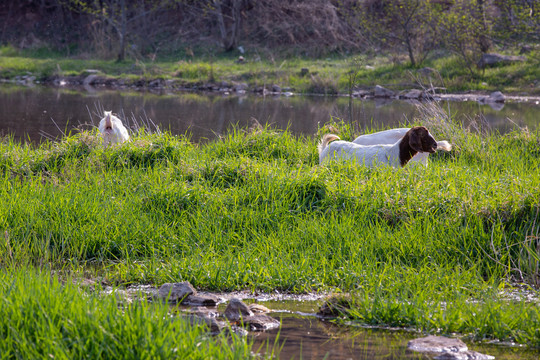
x: 437, y: 344
x: 383, y: 92
x: 447, y: 348
x: 201, y: 300
x: 236, y: 310
x: 178, y: 291
x: 496, y: 96
x: 261, y: 322
x: 258, y: 308
x: 464, y: 355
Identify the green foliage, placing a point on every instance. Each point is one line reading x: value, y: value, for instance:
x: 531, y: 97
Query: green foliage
x: 465, y: 26
x: 8, y: 50
x: 519, y: 20
x: 410, y: 24
x: 57, y: 320
x: 200, y: 71
x: 486, y: 319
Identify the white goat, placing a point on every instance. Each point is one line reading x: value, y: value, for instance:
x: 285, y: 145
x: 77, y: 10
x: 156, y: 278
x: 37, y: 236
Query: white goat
x: 392, y: 136
x: 112, y: 130
x: 416, y: 140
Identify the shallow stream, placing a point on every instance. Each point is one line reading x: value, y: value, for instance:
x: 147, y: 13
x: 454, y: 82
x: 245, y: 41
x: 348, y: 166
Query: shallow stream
x: 33, y: 114
x: 304, y: 335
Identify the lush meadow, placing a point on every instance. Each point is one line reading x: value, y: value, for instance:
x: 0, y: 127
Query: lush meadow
x: 437, y: 249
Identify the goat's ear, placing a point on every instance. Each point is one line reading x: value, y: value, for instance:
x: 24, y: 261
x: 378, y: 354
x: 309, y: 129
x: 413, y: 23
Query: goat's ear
x: 415, y: 139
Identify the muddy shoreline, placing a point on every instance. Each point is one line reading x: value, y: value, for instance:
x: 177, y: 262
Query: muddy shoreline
x: 91, y: 82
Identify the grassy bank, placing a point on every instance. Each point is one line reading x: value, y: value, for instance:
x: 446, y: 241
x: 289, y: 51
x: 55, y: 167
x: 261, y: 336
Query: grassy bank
x: 329, y: 75
x: 254, y: 210
x: 41, y: 317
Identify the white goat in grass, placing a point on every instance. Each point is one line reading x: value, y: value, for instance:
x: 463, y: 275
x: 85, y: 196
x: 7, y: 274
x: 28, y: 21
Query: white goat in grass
x: 416, y: 140
x: 392, y: 136
x: 112, y: 130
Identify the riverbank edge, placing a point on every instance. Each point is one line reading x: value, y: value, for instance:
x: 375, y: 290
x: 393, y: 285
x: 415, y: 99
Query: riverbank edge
x: 92, y: 83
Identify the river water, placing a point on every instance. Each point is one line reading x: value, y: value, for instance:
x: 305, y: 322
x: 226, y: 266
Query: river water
x: 34, y: 114
x: 304, y: 335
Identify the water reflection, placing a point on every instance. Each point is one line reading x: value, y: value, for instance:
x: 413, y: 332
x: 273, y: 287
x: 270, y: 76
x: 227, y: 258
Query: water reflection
x: 27, y: 112
x: 306, y: 337
x: 310, y: 338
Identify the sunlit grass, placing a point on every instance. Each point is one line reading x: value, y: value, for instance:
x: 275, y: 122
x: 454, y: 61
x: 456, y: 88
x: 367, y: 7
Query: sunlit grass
x: 42, y: 317
x: 255, y: 210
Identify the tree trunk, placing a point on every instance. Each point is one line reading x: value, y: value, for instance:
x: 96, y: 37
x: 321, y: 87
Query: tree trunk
x: 229, y: 16
x: 410, y: 49
x: 123, y: 31
x: 484, y: 41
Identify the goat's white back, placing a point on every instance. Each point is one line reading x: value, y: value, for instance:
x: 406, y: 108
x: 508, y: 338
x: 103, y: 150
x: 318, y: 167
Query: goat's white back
x: 367, y: 155
x: 394, y: 135
x: 389, y: 137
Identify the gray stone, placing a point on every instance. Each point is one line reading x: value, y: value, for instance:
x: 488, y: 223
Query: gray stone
x: 156, y: 83
x: 238, y: 330
x: 176, y: 292
x: 201, y: 300
x: 276, y: 88
x: 360, y: 93
x: 89, y: 79
x: 258, y: 308
x: 214, y: 325
x: 437, y: 344
x: 240, y: 87
x: 496, y: 59
x: 464, y: 355
x: 413, y: 94
x: 260, y: 322
x: 495, y: 100
x: 237, y: 310
x: 496, y: 96
x: 383, y: 92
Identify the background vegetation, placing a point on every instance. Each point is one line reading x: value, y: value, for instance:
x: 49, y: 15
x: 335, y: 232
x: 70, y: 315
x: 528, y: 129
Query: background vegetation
x: 181, y: 29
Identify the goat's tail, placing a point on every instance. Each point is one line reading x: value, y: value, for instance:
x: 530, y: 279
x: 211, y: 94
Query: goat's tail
x: 325, y: 140
x: 444, y: 145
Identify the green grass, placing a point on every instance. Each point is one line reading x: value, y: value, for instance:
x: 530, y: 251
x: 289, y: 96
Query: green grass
x: 254, y: 210
x: 326, y: 75
x: 42, y: 317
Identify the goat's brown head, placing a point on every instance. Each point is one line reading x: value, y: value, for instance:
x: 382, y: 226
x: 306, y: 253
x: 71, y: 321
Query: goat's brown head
x: 417, y: 139
x: 421, y: 140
